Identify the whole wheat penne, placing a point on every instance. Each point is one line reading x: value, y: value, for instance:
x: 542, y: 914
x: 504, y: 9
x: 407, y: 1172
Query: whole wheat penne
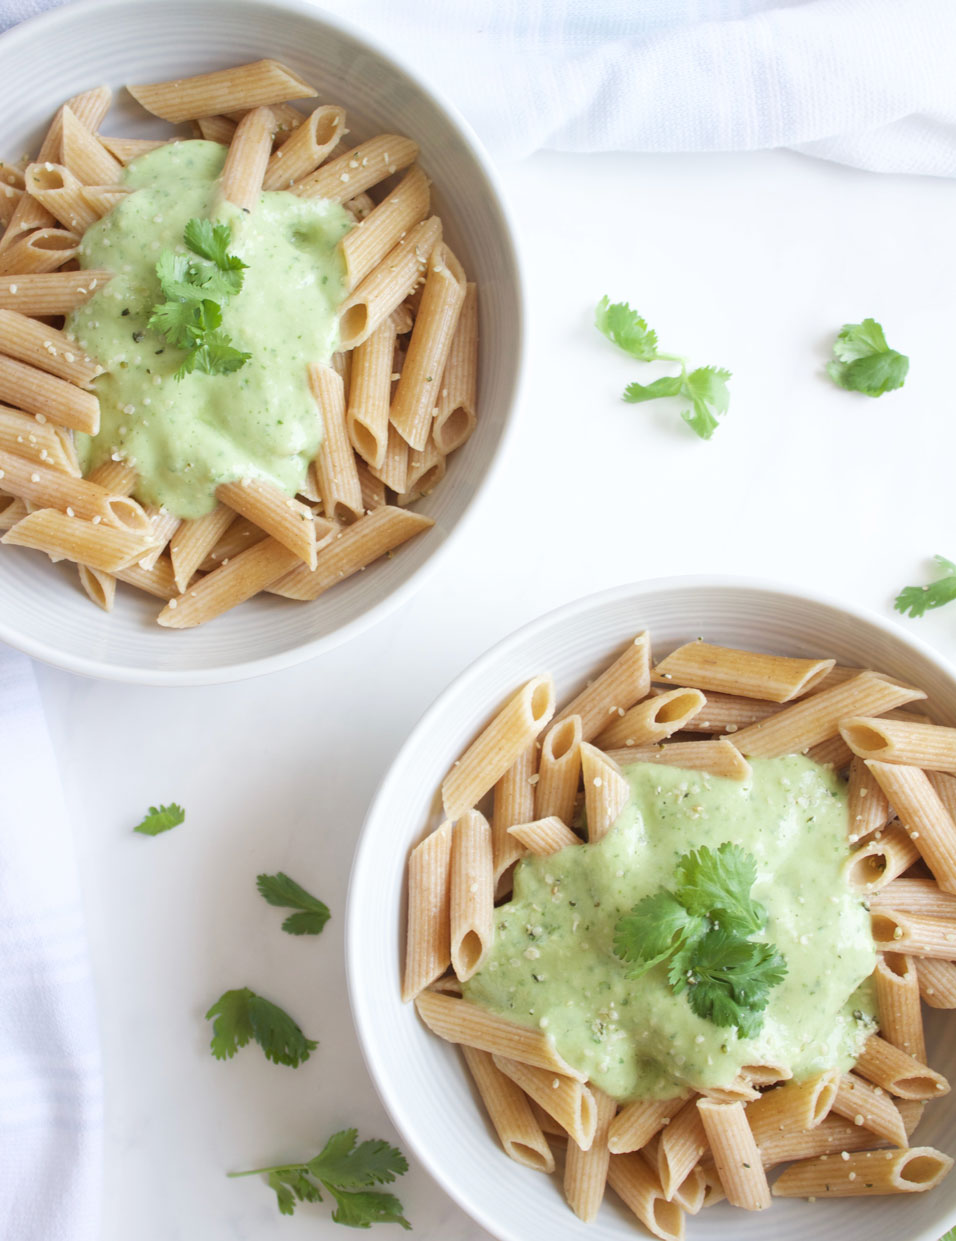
x: 910, y: 1171
x: 370, y: 396
x: 84, y: 155
x: 288, y: 118
x: 373, y: 489
x: 428, y: 935
x: 727, y: 713
x: 717, y: 758
x: 11, y: 175
x: 10, y: 196
x: 513, y: 803
x: 881, y: 858
x: 472, y: 894
x: 559, y: 770
x: 384, y: 289
x: 637, y: 1122
x: 585, y: 1172
x: 904, y: 1076
x: 127, y: 149
x: 740, y: 1090
x: 44, y: 487
x: 915, y: 896
x: 682, y: 1143
x: 360, y: 208
x: 363, y: 247
x: 618, y: 687
x: 38, y: 252
x: 351, y: 550
x: 869, y: 1107
x: 100, y: 587
x: 937, y: 982
x: 735, y: 1154
x: 542, y: 837
x: 24, y: 435
x: 157, y: 581
x: 305, y: 147
x: 834, y: 752
x: 749, y: 674
x: 195, y: 539
x: 109, y: 548
x: 867, y: 807
x: 164, y: 526
x: 45, y: 348
x: 914, y: 934
x: 456, y: 412
x: 606, y: 791
x: 335, y: 469
x: 653, y: 719
x: 35, y: 391
x: 243, y: 87
x: 290, y: 522
x: 894, y: 741
x: 793, y: 1106
x: 61, y: 192
x: 425, y: 471
x: 640, y: 1190
x: 918, y: 805
x: 765, y: 1074
x: 509, y: 1110
x: 229, y: 585
x: 245, y: 166
x: 359, y: 169
x: 215, y: 129
x: 118, y: 477
x: 898, y: 1002
x: 570, y: 1101
x: 817, y: 717
x: 700, y: 1188
x: 103, y: 198
x: 945, y: 787
x: 498, y: 746
x: 393, y: 471
x: 458, y: 1021
x: 50, y: 293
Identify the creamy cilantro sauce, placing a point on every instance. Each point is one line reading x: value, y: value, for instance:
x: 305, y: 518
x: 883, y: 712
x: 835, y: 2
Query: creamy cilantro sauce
x: 552, y: 964
x: 186, y: 436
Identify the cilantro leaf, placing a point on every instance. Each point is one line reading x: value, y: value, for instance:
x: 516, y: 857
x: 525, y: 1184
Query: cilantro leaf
x: 346, y: 1171
x: 716, y: 884
x: 729, y: 980
x: 241, y: 1015
x: 280, y: 890
x: 161, y: 819
x: 625, y: 328
x: 864, y: 362
x: 706, y: 388
x: 211, y: 241
x: 917, y: 600
x: 668, y: 385
x: 646, y: 936
x: 212, y: 354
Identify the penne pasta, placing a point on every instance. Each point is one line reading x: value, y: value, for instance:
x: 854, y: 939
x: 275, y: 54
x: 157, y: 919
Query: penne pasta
x: 428, y: 936
x: 640, y: 1190
x: 717, y: 758
x: 636, y: 1123
x: 559, y: 771
x: 735, y: 1154
x: 917, y: 803
x: 77, y: 497
x: 653, y: 719
x: 194, y: 540
x: 881, y: 859
x: 682, y: 1142
x: 51, y: 293
x: 84, y: 155
x: 359, y: 170
x: 245, y: 166
x: 244, y: 87
x: 108, y: 548
x: 886, y: 1066
x: 384, y: 289
x: 567, y: 1099
x: 894, y: 741
x: 793, y: 1106
x: 100, y: 587
x: 868, y: 1172
x: 543, y: 837
x: 366, y: 245
x: 898, y: 1001
x: 915, y: 896
x: 335, y: 468
x: 867, y: 807
x: 727, y: 713
x: 937, y: 982
x: 61, y: 193
x: 914, y: 934
x: 625, y: 682
x: 37, y: 441
x: 370, y: 396
x: 229, y: 585
x: 45, y: 348
x: 510, y: 1112
x: 513, y: 803
x: 748, y: 674
x: 125, y: 150
x: 38, y: 252
x: 290, y: 522
x: 456, y: 411
x: 606, y: 791
x: 305, y: 148
x: 36, y: 392
x: 472, y: 894
x: 585, y: 1172
x: 869, y: 1107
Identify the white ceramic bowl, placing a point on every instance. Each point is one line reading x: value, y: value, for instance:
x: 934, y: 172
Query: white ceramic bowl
x: 42, y: 610
x: 421, y: 1078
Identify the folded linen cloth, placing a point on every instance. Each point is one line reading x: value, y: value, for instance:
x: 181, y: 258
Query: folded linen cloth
x: 50, y: 1079
x: 863, y: 82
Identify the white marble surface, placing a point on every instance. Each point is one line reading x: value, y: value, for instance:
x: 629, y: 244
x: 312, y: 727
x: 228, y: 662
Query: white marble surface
x: 747, y: 261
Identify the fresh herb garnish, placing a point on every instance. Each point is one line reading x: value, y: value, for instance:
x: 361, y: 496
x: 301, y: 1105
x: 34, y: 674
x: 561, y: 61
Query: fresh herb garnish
x: 917, y: 600
x: 702, y: 929
x: 705, y: 388
x: 284, y: 892
x: 194, y: 289
x: 864, y: 362
x: 161, y: 819
x: 347, y: 1172
x: 241, y: 1015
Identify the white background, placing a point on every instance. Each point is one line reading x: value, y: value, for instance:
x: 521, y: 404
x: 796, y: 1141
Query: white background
x: 746, y: 261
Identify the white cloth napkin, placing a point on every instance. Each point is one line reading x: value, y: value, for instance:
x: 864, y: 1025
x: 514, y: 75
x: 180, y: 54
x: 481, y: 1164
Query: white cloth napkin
x: 864, y: 82
x: 51, y: 1094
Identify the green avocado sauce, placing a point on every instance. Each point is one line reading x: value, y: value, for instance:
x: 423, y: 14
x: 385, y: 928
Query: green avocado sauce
x: 552, y: 963
x: 186, y: 436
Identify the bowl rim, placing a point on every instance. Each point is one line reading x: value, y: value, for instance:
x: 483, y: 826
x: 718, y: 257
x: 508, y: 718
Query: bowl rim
x: 363, y: 861
x: 18, y: 38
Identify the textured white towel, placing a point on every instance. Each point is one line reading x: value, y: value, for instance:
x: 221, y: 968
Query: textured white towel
x: 865, y: 82
x: 50, y: 1080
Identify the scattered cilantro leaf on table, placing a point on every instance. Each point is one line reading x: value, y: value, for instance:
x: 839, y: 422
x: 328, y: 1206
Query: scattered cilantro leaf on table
x: 241, y: 1015
x: 347, y: 1170
x: 702, y: 928
x: 864, y: 362
x: 284, y: 892
x: 160, y: 819
x: 705, y: 387
x: 917, y: 600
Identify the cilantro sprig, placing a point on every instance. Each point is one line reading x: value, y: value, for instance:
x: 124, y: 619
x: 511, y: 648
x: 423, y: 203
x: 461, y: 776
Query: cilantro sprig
x: 917, y: 600
x: 347, y: 1172
x: 195, y: 289
x: 864, y: 362
x: 705, y: 388
x: 241, y: 1015
x: 702, y: 930
x: 284, y: 892
x: 160, y: 819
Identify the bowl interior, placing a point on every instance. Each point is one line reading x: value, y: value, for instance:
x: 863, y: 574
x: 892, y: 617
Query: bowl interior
x: 422, y: 1079
x: 42, y: 609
